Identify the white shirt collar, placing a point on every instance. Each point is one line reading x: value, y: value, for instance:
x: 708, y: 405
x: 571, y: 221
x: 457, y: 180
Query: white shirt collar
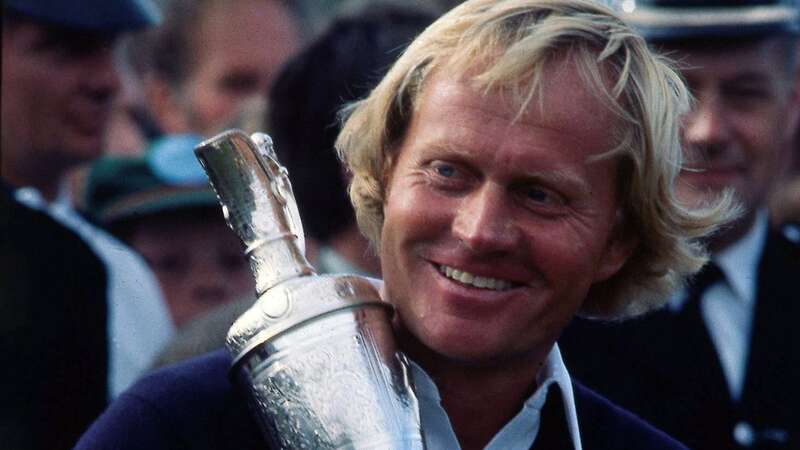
x: 739, y: 261
x: 521, y: 431
x: 30, y: 197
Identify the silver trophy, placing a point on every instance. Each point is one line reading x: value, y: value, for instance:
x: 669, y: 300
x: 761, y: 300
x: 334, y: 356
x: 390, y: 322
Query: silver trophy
x: 315, y: 354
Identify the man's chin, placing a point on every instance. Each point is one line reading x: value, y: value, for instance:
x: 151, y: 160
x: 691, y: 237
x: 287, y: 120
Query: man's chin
x: 698, y: 192
x: 85, y: 147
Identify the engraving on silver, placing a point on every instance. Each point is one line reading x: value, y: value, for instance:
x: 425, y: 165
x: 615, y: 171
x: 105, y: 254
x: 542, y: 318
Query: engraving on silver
x: 315, y: 354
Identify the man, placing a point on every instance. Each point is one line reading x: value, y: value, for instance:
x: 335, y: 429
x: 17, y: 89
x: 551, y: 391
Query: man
x: 718, y: 369
x: 58, y: 83
x: 513, y: 167
x: 161, y: 205
x: 210, y: 58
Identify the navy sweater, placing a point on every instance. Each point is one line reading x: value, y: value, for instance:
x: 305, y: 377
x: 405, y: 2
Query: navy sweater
x: 193, y: 405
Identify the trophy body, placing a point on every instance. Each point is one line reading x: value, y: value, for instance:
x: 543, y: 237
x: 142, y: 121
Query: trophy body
x: 315, y: 354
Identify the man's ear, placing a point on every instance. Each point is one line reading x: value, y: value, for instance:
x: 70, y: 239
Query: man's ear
x: 619, y: 248
x: 165, y: 104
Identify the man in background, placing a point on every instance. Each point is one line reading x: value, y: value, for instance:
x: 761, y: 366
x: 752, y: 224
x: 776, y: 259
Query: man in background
x: 58, y: 81
x: 58, y: 84
x: 211, y: 58
x: 718, y: 368
x: 160, y: 203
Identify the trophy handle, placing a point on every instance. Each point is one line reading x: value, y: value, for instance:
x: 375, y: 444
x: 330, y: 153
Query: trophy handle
x: 281, y: 186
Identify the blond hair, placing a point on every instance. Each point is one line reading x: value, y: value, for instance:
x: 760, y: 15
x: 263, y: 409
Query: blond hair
x: 504, y: 45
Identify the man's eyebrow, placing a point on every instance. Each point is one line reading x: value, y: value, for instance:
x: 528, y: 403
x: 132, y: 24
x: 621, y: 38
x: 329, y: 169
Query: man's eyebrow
x: 446, y: 146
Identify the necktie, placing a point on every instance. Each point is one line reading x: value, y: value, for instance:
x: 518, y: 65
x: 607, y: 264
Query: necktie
x: 701, y: 367
x: 708, y: 275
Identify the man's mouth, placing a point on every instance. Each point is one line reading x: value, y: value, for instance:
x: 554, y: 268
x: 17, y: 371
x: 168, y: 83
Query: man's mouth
x: 473, y: 280
x: 716, y: 174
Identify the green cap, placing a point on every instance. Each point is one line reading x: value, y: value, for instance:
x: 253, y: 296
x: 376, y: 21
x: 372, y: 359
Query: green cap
x: 167, y: 177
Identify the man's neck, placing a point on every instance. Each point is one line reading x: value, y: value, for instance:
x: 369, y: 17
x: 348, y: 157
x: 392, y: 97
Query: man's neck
x: 479, y: 405
x: 480, y: 399
x: 45, y: 177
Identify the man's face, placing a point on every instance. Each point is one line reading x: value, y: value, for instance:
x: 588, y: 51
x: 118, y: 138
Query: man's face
x: 239, y: 52
x: 494, y: 231
x: 745, y: 111
x: 197, y: 259
x: 57, y: 91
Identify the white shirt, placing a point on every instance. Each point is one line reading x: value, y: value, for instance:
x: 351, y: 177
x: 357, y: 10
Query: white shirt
x: 727, y: 306
x: 518, y: 434
x: 139, y: 324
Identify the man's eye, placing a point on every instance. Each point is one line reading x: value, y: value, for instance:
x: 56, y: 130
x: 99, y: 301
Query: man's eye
x: 542, y: 196
x: 746, y: 95
x: 538, y: 195
x: 240, y: 83
x: 168, y: 264
x: 445, y: 170
x: 744, y: 92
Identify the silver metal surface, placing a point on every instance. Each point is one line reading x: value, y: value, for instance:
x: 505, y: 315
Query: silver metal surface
x: 315, y: 354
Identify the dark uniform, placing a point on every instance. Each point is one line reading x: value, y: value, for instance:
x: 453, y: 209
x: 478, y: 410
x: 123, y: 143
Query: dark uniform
x: 53, y: 349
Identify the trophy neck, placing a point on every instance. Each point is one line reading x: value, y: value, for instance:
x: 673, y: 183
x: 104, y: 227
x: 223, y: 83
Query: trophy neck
x: 258, y: 205
x: 275, y: 259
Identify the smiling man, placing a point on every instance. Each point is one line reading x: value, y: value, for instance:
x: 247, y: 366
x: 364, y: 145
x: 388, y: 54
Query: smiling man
x: 514, y: 167
x: 726, y: 354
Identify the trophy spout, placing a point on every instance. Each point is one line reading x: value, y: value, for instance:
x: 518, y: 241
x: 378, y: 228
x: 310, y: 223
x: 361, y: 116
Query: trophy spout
x: 258, y: 204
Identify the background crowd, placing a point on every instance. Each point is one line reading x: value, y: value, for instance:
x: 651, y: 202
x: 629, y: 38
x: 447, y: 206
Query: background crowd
x: 115, y: 258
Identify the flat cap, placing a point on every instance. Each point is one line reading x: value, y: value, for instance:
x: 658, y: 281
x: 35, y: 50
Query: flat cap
x: 109, y: 16
x: 664, y: 20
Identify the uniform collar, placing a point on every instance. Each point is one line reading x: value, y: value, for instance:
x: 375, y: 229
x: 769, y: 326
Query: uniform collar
x: 739, y: 261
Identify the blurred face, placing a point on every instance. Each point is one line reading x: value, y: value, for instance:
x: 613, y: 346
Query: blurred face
x: 57, y: 90
x: 198, y: 262
x: 239, y: 52
x: 125, y: 135
x: 745, y: 113
x: 494, y: 231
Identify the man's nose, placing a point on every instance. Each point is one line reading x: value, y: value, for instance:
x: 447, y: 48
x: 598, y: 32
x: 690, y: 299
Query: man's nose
x: 210, y: 283
x: 483, y: 223
x: 102, y: 76
x: 708, y: 123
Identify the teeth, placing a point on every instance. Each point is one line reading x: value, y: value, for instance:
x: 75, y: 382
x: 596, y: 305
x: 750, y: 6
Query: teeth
x: 474, y: 280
